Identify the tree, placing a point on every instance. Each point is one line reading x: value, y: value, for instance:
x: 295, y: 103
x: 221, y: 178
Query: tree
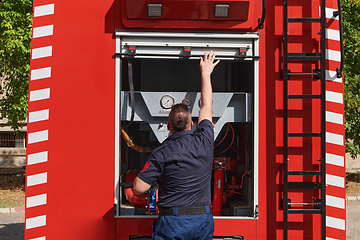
x: 351, y: 26
x: 15, y: 48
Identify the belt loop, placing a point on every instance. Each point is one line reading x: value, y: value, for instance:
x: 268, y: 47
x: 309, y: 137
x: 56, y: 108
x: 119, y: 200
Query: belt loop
x: 207, y: 209
x: 176, y: 211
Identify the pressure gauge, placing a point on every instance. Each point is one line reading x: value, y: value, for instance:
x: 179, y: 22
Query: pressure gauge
x: 186, y: 101
x: 167, y: 101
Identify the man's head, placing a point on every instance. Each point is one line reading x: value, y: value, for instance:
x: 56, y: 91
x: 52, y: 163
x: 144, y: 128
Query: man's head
x: 179, y: 118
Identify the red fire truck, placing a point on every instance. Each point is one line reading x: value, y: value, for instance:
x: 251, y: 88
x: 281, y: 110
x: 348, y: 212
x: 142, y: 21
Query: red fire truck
x: 105, y: 73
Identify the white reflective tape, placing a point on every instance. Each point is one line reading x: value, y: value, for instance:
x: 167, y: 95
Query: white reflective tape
x: 36, y: 137
x: 334, y: 97
x: 335, y: 159
x: 35, y: 222
x: 43, y: 31
x: 40, y: 238
x: 335, y: 202
x: 41, y: 52
x: 334, y: 117
x: 36, y: 201
x: 41, y: 94
x: 329, y: 13
x: 39, y: 116
x: 40, y: 73
x: 44, y: 10
x: 37, y: 158
x: 327, y: 238
x: 332, y: 76
x: 333, y: 55
x: 335, y: 223
x: 335, y: 181
x: 36, y: 179
x: 332, y: 34
x: 334, y: 138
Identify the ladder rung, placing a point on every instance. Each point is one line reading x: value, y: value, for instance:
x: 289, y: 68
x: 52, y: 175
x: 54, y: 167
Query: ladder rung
x: 304, y: 204
x: 305, y: 96
x: 310, y: 173
x: 304, y: 134
x: 304, y: 185
x: 304, y: 19
x: 304, y: 211
x: 304, y: 56
x: 303, y: 73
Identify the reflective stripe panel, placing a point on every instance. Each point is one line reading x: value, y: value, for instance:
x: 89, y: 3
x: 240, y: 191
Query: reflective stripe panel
x: 334, y: 97
x: 334, y: 118
x: 35, y: 222
x: 335, y: 202
x: 37, y: 158
x: 335, y: 181
x: 335, y: 159
x: 335, y: 223
x: 38, y: 116
x: 36, y: 200
x: 43, y: 31
x: 44, y: 10
x: 36, y: 179
x: 335, y: 139
x: 38, y: 95
x: 41, y: 52
x: 36, y: 137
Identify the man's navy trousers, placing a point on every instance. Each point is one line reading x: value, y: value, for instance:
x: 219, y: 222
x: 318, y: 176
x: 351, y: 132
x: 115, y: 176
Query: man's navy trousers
x: 184, y: 227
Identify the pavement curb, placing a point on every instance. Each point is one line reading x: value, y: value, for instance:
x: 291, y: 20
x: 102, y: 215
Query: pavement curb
x: 12, y: 210
x: 353, y: 198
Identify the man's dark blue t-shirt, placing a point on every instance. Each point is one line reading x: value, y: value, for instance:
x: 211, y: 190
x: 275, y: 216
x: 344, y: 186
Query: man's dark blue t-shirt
x: 182, y: 167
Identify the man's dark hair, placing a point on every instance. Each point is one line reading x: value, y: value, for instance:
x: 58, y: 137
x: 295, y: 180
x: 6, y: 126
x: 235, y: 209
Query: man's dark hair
x: 180, y: 116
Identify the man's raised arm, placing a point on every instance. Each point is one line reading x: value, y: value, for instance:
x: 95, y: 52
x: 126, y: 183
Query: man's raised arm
x: 206, y: 67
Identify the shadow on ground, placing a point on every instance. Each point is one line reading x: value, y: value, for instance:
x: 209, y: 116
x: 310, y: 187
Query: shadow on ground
x: 12, y: 231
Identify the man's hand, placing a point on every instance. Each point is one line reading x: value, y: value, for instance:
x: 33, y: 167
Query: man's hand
x: 206, y: 67
x: 207, y: 63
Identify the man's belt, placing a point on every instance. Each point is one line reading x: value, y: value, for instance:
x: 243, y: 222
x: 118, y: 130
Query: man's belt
x: 184, y: 210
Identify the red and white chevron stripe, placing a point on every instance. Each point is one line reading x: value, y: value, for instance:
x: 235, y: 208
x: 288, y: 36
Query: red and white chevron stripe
x: 335, y: 131
x: 38, y: 133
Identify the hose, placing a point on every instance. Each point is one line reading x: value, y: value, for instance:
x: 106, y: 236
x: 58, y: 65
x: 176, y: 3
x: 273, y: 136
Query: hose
x: 132, y: 145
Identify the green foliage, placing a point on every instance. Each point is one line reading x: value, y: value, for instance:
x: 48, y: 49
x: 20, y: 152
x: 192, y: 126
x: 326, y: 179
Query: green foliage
x: 351, y: 25
x: 15, y: 45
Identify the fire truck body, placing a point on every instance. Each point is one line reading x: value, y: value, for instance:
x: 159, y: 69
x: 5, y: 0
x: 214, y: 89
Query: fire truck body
x: 105, y: 73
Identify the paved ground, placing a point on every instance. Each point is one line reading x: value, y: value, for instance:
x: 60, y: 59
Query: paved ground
x: 352, y: 220
x: 12, y: 224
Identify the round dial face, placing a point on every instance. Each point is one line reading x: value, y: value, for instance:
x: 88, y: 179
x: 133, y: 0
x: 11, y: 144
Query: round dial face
x: 186, y: 101
x: 167, y: 101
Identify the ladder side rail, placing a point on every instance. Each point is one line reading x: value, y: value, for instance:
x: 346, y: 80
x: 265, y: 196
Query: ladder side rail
x: 285, y: 119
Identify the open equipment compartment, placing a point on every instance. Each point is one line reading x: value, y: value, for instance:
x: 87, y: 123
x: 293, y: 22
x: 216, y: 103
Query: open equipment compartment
x: 158, y: 71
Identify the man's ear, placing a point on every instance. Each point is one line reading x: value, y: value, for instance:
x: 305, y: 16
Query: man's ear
x: 191, y: 125
x: 168, y: 127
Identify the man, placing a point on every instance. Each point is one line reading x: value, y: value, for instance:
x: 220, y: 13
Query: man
x: 182, y: 167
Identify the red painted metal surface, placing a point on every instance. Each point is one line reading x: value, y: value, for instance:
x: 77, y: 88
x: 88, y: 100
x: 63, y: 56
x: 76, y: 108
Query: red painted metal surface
x: 187, y: 10
x: 194, y: 14
x: 79, y: 169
